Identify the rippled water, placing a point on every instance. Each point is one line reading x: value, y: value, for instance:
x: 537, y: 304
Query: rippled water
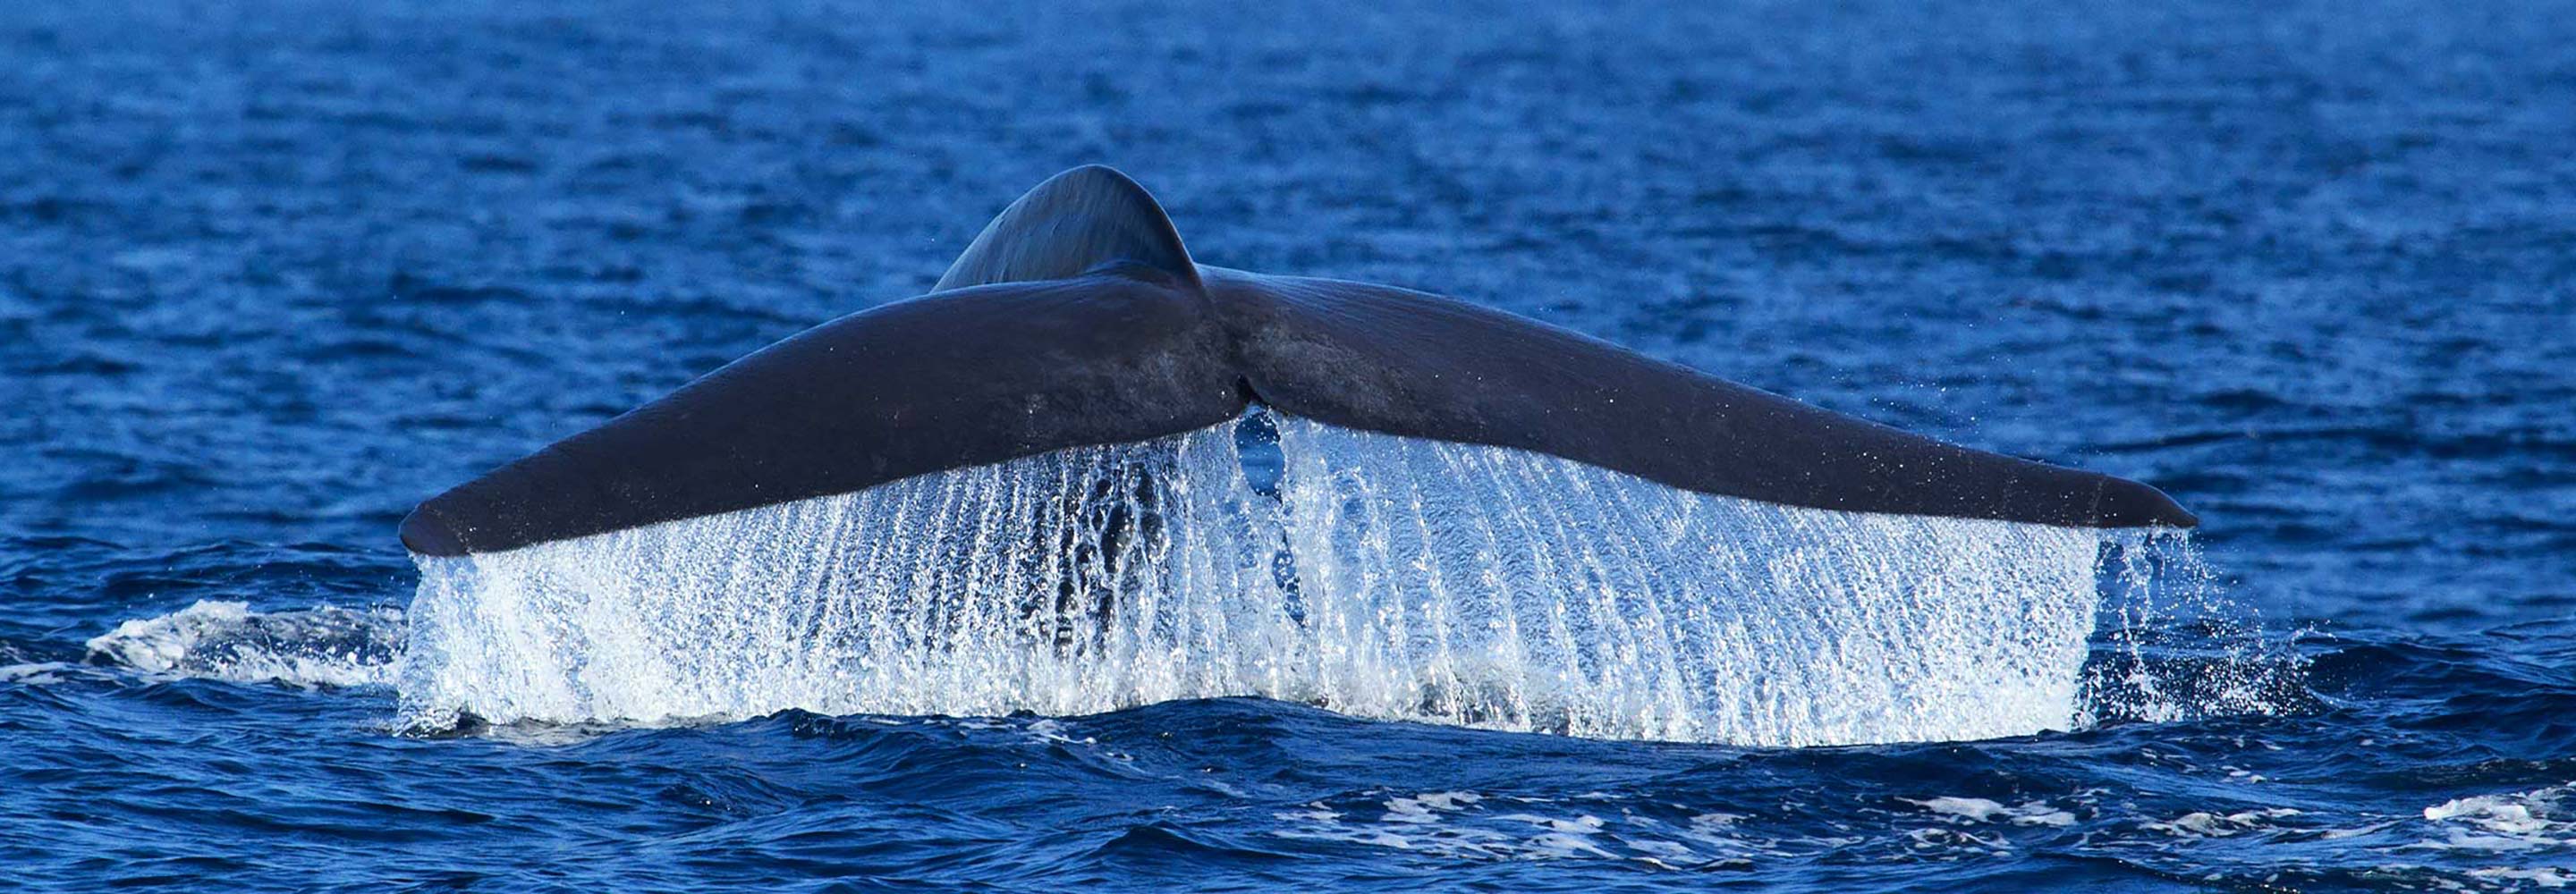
x: 269, y: 276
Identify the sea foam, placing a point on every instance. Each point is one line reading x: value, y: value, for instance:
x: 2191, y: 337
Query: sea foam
x: 214, y: 639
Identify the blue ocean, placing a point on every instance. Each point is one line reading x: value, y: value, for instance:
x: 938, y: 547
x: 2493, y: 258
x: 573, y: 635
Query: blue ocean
x: 272, y: 273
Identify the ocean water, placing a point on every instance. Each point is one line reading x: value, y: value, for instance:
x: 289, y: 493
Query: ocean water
x: 272, y: 273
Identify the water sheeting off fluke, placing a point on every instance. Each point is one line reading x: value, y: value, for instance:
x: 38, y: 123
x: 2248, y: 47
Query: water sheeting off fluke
x: 1391, y: 577
x: 1484, y: 585
x: 1069, y: 582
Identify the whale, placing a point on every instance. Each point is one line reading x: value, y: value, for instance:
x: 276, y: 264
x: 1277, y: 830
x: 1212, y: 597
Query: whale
x: 1078, y: 318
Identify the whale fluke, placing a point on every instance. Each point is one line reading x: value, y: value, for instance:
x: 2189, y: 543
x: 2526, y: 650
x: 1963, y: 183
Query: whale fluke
x: 1402, y: 362
x: 965, y: 378
x: 1077, y: 318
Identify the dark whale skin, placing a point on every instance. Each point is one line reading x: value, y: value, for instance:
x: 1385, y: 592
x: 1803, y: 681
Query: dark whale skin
x: 963, y: 378
x: 1409, y: 363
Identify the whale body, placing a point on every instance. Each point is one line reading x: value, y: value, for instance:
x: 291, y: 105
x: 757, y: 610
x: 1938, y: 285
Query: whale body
x: 1078, y: 318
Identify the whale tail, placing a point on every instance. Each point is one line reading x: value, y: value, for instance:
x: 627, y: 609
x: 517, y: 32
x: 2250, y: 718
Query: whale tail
x: 1077, y: 319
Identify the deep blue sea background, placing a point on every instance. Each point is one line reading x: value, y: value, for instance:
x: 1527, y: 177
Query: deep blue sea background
x: 270, y: 273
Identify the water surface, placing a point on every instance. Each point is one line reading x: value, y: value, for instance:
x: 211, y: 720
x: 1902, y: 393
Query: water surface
x: 269, y: 276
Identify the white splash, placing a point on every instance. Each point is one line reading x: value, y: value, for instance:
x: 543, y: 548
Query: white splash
x: 324, y: 646
x: 1392, y: 578
x: 2178, y: 647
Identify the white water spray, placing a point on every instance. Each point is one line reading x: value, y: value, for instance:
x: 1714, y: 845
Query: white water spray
x: 1391, y: 578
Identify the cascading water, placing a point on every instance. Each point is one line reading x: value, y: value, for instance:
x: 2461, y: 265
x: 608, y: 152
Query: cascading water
x: 1070, y: 582
x: 1479, y: 585
x: 1389, y: 577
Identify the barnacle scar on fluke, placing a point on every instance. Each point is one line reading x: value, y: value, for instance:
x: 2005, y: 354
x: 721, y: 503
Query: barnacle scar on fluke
x: 1077, y: 319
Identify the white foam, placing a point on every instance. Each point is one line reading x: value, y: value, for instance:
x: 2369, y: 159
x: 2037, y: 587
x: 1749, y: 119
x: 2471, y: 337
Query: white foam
x: 2541, y: 819
x: 47, y: 673
x: 2542, y: 877
x: 1448, y: 824
x: 2203, y: 824
x: 1981, y: 810
x: 1471, y: 826
x: 1421, y: 580
x: 323, y: 646
x: 1427, y: 807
